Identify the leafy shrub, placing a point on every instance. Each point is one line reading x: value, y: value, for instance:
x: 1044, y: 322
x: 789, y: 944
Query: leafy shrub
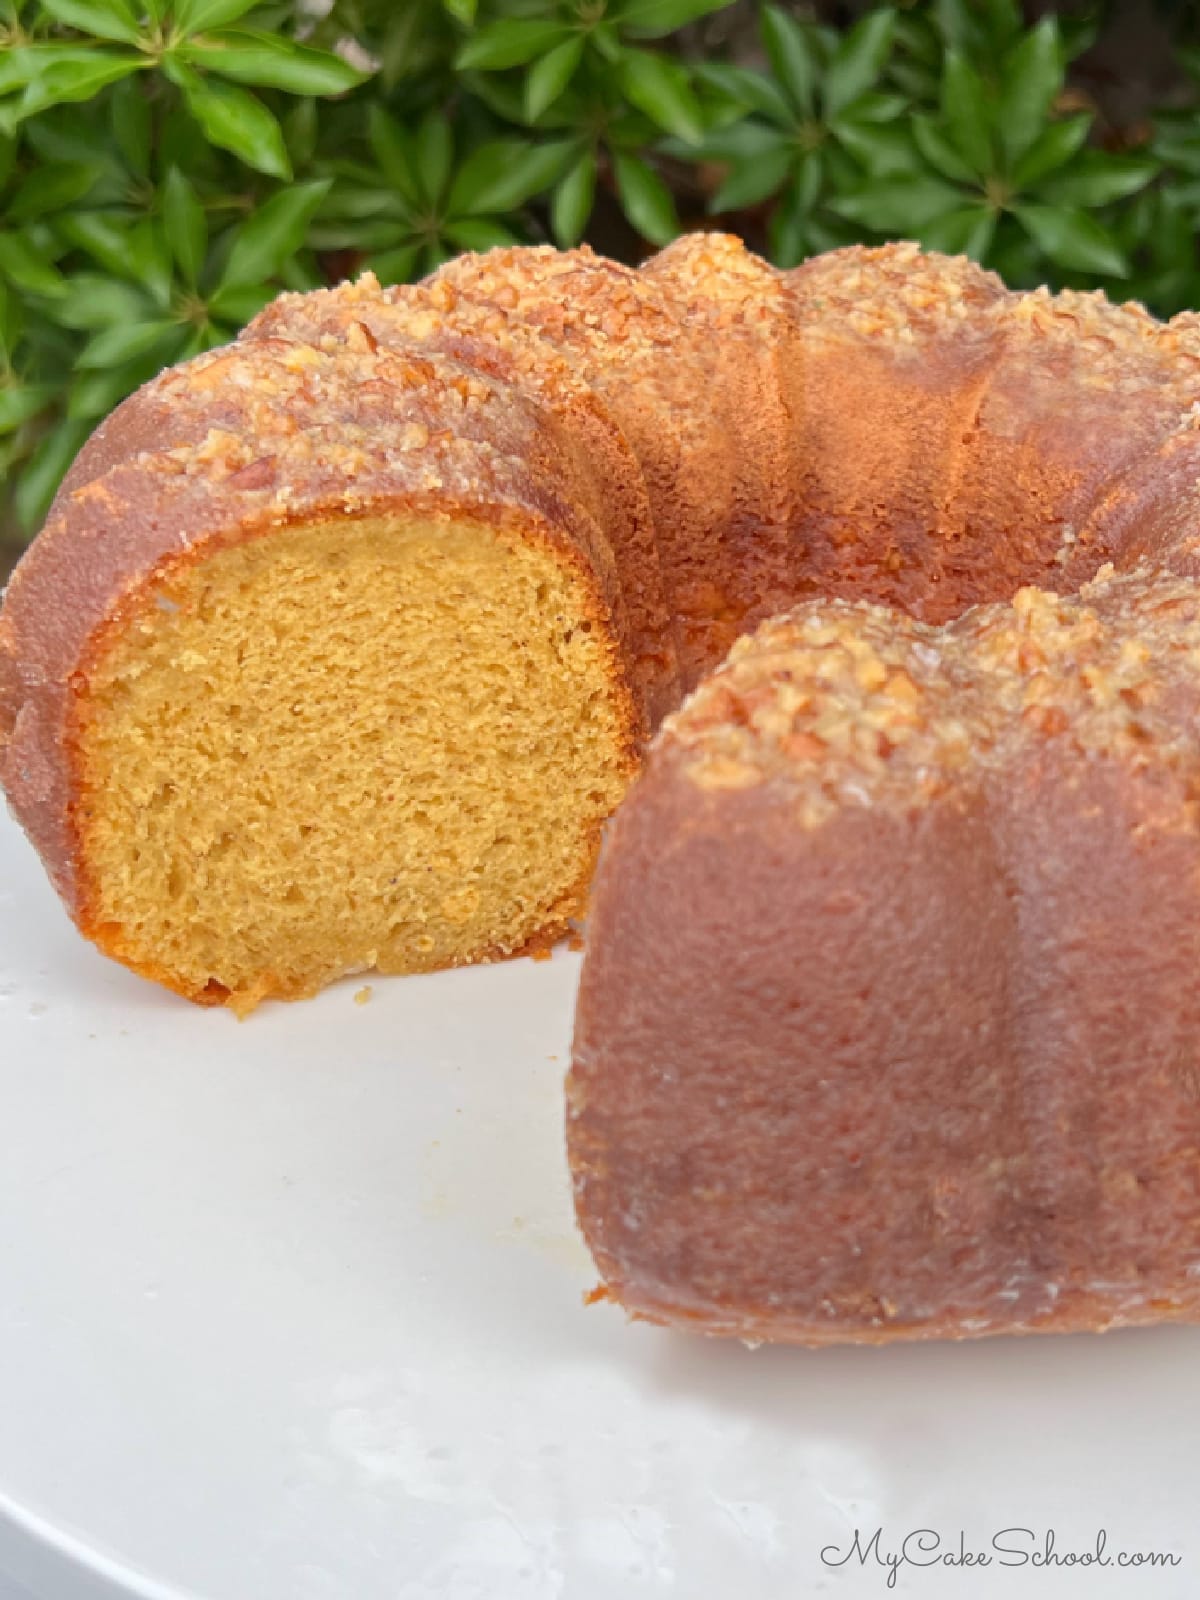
x: 166, y: 166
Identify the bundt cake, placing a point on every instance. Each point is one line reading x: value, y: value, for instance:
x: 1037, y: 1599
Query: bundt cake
x: 341, y: 643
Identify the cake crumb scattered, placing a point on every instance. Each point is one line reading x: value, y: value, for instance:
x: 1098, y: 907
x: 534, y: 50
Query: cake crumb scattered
x: 363, y: 995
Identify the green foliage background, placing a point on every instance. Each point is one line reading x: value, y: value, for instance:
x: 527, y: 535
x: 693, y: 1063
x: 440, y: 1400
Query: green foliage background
x: 167, y: 166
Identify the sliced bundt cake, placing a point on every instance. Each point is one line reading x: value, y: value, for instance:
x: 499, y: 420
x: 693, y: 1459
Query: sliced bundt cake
x: 341, y: 643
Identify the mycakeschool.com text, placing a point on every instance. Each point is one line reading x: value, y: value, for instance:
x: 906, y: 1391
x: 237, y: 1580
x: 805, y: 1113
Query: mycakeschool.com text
x: 1010, y: 1547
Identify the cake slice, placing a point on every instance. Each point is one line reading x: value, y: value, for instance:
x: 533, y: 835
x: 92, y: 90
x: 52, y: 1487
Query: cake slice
x: 338, y: 678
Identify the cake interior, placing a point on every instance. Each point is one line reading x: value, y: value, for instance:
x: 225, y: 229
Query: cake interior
x: 347, y: 746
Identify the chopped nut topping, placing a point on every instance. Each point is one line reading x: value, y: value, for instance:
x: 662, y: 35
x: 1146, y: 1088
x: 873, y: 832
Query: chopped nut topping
x: 847, y: 703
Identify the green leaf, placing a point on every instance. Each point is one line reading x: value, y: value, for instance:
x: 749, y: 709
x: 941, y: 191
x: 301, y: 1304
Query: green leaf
x: 878, y: 148
x: 22, y: 265
x: 410, y: 42
x: 966, y: 232
x: 113, y: 346
x: 572, y: 204
x: 1053, y: 148
x: 743, y: 141
x: 274, y: 232
x: 752, y: 183
x: 548, y: 77
x: 194, y: 16
x: 51, y: 188
x: 61, y: 80
x: 240, y: 303
x: 503, y: 174
x: 130, y: 116
x: 479, y: 233
x: 93, y: 302
x: 75, y: 134
x: 213, y: 335
x: 236, y: 121
x: 651, y: 19
x: 791, y: 57
x: 1032, y: 78
x: 187, y: 231
x: 1072, y: 239
x: 107, y: 19
x: 366, y: 235
x: 300, y: 274
x: 393, y: 152
x: 897, y: 206
x: 434, y: 156
x: 94, y: 393
x: 645, y: 199
x: 12, y: 318
x: 461, y: 10
x: 746, y: 89
x: 859, y: 59
x: 660, y: 88
x: 43, y: 472
x: 21, y: 64
x: 1186, y: 195
x: 148, y: 261
x: 433, y: 256
x: 788, y: 237
x: 917, y: 85
x: 606, y: 42
x: 138, y: 253
x: 964, y: 112
x: 499, y: 92
x: 955, y: 21
x: 20, y: 401
x: 300, y: 131
x: 1003, y: 18
x: 509, y: 43
x: 916, y: 37
x: 1097, y: 179
x: 807, y: 181
x: 790, y: 222
x: 104, y: 237
x: 1175, y: 148
x: 270, y: 62
x: 395, y: 266
x: 878, y: 107
x: 352, y: 201
x: 938, y: 151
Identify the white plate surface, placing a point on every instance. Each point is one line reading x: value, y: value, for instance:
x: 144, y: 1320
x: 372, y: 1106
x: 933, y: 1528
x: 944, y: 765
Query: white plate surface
x: 291, y: 1310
